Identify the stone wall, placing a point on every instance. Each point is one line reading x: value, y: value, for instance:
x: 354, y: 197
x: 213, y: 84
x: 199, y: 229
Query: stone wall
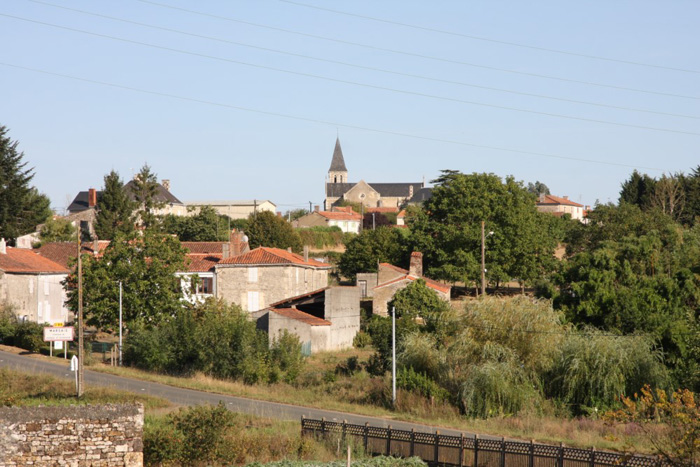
x: 95, y: 435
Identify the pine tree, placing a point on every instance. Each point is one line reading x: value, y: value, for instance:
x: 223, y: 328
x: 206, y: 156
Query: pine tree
x: 115, y: 214
x: 22, y: 207
x: 145, y: 189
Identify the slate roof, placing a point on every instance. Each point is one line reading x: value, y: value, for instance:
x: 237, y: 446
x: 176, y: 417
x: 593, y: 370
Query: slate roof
x: 336, y: 190
x: 556, y: 200
x: 299, y: 297
x: 421, y: 195
x: 272, y: 256
x: 80, y: 202
x: 298, y: 315
x: 24, y: 261
x: 387, y: 190
x: 338, y: 162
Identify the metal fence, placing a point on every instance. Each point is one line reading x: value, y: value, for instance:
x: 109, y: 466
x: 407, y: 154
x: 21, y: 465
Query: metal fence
x: 472, y: 451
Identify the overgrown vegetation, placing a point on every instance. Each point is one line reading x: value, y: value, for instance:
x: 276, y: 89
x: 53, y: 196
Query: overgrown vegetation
x: 23, y: 334
x: 218, y: 340
x: 321, y: 237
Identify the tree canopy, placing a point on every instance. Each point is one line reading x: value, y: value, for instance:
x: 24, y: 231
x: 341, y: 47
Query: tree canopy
x: 382, y: 245
x: 204, y: 226
x: 57, y: 230
x: 145, y: 189
x: 22, y: 207
x: 267, y: 229
x: 115, y: 212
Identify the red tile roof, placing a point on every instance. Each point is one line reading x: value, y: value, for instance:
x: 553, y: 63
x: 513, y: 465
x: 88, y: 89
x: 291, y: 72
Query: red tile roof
x: 265, y: 255
x: 402, y: 213
x: 298, y: 315
x: 202, y: 263
x: 63, y: 252
x: 551, y: 199
x: 340, y: 216
x: 204, y: 247
x: 395, y: 268
x: 429, y: 282
x: 20, y: 260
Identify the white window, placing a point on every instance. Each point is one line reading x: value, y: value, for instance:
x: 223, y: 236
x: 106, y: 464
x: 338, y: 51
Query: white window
x: 252, y: 274
x: 253, y: 301
x: 40, y: 311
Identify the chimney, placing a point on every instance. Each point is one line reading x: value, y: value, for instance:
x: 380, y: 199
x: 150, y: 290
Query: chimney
x: 166, y: 184
x: 542, y: 195
x: 565, y: 197
x: 306, y: 253
x: 416, y: 267
x: 226, y: 250
x: 238, y: 243
x: 317, y: 208
x: 410, y: 191
x: 279, y: 214
x: 92, y: 198
x: 95, y: 246
x: 3, y: 247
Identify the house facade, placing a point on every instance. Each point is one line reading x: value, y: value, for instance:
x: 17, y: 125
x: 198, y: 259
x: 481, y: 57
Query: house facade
x: 235, y: 209
x: 345, y: 220
x: 559, y: 206
x: 264, y: 275
x: 32, y: 285
x: 368, y: 194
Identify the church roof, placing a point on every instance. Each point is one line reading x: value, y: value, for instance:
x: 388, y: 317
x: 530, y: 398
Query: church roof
x: 390, y: 190
x: 337, y: 163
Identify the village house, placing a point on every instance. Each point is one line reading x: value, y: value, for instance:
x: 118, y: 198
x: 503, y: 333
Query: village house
x: 346, y: 220
x: 368, y: 194
x: 32, y: 285
x: 381, y: 286
x: 560, y: 206
x: 235, y: 209
x: 324, y: 319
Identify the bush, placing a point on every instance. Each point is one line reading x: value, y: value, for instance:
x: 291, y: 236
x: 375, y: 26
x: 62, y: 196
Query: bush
x: 361, y: 340
x: 410, y: 380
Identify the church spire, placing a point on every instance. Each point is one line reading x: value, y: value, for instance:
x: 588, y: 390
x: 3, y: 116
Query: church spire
x: 338, y: 173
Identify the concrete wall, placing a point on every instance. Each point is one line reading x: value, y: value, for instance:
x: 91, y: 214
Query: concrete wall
x: 41, y: 298
x: 343, y: 310
x: 233, y: 209
x: 98, y: 435
x: 386, y: 274
x: 370, y: 278
x: 273, y: 283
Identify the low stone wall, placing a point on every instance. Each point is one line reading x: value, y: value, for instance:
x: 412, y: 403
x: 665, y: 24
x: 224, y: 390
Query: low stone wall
x: 95, y: 435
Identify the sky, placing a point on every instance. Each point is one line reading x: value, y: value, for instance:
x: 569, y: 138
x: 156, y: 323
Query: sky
x: 240, y: 100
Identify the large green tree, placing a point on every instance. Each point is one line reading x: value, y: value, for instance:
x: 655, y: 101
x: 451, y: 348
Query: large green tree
x: 520, y: 241
x: 57, y: 230
x: 267, y: 229
x: 145, y: 190
x: 115, y: 210
x: 145, y: 264
x: 22, y: 207
x: 364, y: 252
x: 204, y: 226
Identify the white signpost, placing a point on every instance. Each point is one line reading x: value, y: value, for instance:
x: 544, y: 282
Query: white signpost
x: 59, y: 334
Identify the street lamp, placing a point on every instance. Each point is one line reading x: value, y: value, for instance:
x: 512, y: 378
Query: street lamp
x: 483, y: 258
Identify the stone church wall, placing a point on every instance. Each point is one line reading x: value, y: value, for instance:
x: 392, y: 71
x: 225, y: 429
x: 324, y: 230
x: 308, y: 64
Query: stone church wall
x: 97, y: 435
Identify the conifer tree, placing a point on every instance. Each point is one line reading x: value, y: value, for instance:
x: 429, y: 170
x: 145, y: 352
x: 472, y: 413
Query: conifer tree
x: 115, y: 213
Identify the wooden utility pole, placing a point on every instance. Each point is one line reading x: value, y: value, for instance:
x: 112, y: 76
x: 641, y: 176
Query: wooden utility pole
x: 81, y: 354
x: 483, y: 260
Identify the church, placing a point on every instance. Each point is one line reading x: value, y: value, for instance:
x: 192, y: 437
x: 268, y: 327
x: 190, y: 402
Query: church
x: 371, y: 195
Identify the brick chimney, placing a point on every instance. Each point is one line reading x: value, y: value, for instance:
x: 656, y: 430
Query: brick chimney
x: 92, y: 198
x: 238, y: 242
x: 542, y: 195
x: 565, y: 197
x: 166, y: 184
x: 416, y: 267
x: 317, y: 208
x: 226, y: 250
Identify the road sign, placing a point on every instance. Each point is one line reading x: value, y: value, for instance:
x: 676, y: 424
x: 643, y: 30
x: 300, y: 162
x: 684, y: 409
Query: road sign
x: 63, y: 333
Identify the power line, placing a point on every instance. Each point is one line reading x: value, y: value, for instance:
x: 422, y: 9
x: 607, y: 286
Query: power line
x: 363, y: 67
x: 331, y: 123
x: 354, y: 83
x: 487, y: 39
x: 411, y: 54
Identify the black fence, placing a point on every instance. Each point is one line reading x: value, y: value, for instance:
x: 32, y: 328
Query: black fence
x: 472, y: 451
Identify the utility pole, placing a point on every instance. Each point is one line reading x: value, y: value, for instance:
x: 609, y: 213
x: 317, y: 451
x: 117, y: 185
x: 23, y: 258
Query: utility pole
x: 393, y: 356
x: 373, y: 223
x: 309, y: 206
x: 81, y: 354
x: 483, y: 260
x: 120, y: 323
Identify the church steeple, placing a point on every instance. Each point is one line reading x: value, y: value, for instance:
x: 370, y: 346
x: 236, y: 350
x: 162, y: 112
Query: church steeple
x: 338, y: 173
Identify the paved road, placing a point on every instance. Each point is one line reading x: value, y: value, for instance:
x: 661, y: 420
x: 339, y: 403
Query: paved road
x: 190, y: 397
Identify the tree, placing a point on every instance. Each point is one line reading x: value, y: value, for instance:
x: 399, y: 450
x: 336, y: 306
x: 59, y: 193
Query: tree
x: 22, y: 207
x: 638, y: 189
x: 669, y: 196
x: 538, y: 188
x: 364, y: 252
x: 115, y: 209
x: 145, y: 191
x: 372, y: 220
x: 267, y: 229
x: 417, y: 300
x: 448, y: 231
x: 145, y: 264
x: 295, y: 214
x: 205, y: 226
x: 57, y: 230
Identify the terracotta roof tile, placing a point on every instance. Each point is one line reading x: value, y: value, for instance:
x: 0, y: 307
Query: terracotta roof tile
x: 298, y: 315
x: 395, y: 268
x: 204, y: 247
x: 341, y: 216
x: 20, y: 260
x: 265, y: 255
x: 551, y: 199
x: 202, y: 262
x: 63, y: 252
x: 429, y: 282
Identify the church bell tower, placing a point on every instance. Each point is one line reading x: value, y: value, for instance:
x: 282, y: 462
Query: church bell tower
x: 338, y: 173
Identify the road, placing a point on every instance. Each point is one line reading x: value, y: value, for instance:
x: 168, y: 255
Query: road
x: 181, y: 396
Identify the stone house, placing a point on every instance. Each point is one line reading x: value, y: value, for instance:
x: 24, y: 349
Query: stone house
x: 325, y: 319
x: 368, y: 194
x: 32, y: 284
x: 389, y: 279
x: 347, y: 220
x: 264, y: 275
x: 235, y: 209
x: 559, y: 206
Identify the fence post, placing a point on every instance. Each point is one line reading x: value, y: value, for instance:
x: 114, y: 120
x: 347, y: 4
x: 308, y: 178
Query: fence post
x: 503, y: 452
x: 461, y: 450
x: 302, y: 425
x: 476, y: 450
x: 366, y: 435
x: 323, y: 426
x: 437, y: 446
x: 592, y: 464
x: 345, y: 422
x: 532, y: 453
x: 413, y: 441
x: 388, y: 441
x: 561, y: 454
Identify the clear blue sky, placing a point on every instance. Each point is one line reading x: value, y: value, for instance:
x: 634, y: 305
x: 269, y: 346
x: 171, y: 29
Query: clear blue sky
x: 247, y: 104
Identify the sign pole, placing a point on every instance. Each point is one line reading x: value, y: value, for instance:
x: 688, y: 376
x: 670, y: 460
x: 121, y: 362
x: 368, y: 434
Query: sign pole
x: 393, y: 356
x: 79, y: 372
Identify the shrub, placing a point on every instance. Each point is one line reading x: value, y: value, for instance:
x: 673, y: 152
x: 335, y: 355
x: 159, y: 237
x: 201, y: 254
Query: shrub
x: 202, y: 428
x: 361, y: 340
x: 410, y: 380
